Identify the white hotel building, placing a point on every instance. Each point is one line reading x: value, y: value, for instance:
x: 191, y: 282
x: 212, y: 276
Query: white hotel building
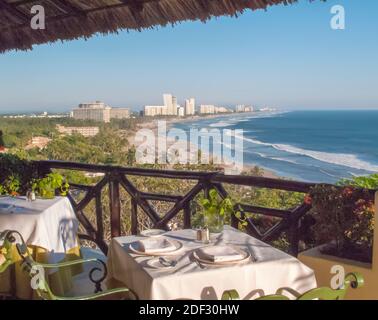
x: 99, y: 111
x: 190, y: 107
x: 207, y: 109
x: 152, y: 111
x: 170, y: 107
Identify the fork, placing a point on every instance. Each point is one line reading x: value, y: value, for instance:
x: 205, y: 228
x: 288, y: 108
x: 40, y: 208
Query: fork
x: 199, y: 264
x: 167, y: 263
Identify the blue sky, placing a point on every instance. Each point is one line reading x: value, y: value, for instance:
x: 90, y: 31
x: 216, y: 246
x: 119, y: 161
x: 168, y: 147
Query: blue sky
x: 287, y: 56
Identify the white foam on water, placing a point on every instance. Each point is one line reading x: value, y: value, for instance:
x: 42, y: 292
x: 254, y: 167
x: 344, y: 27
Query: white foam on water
x: 329, y: 174
x: 234, y: 121
x: 342, y: 159
x: 285, y: 160
x: 221, y: 124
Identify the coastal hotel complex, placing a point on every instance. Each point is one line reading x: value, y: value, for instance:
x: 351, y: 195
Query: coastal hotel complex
x: 171, y: 108
x: 99, y: 111
x: 84, y: 131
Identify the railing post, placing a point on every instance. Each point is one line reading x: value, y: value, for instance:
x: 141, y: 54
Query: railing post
x: 134, y: 217
x: 294, y: 237
x: 43, y: 170
x: 234, y: 221
x: 99, y: 218
x: 115, y: 206
x: 187, y: 216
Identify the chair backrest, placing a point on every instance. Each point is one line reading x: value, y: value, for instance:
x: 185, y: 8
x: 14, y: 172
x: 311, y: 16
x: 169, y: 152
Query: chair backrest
x: 352, y: 280
x: 6, y: 258
x: 10, y: 238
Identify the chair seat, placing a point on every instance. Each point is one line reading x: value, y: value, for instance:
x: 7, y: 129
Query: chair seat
x: 81, y: 283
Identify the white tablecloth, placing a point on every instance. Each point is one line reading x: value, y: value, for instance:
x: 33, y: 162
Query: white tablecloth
x: 49, y: 224
x: 274, y: 269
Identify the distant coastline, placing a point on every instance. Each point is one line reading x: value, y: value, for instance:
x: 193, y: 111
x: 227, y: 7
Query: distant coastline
x: 151, y: 124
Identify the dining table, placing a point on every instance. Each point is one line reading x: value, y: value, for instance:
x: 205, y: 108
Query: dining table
x: 50, y: 230
x: 266, y: 269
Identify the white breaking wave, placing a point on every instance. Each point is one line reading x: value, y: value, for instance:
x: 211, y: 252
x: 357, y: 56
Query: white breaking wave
x: 265, y: 156
x: 233, y: 121
x: 221, y: 124
x: 342, y: 159
x: 328, y: 174
x: 285, y: 160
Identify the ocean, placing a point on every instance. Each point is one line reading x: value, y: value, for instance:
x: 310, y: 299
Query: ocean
x: 313, y: 146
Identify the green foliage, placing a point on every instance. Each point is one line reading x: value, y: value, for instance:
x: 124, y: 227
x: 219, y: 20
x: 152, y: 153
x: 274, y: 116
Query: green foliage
x: 131, y: 156
x: 345, y: 218
x: 10, y: 186
x: 47, y: 186
x: 17, y: 132
x: 217, y: 210
x: 15, y: 174
x: 110, y: 146
x: 13, y: 184
x: 366, y: 182
x: 213, y: 205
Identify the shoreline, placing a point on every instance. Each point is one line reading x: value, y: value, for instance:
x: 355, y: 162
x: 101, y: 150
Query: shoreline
x: 152, y: 125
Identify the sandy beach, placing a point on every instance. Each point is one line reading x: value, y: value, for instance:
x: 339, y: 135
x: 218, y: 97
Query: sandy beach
x: 153, y: 126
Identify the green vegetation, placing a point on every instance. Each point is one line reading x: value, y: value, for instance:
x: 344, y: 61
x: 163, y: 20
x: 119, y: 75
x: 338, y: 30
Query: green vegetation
x: 46, y: 187
x: 344, y: 221
x: 216, y: 210
x: 110, y: 146
x: 367, y: 182
x: 15, y: 174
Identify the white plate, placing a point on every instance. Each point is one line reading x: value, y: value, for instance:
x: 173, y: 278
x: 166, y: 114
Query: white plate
x: 134, y: 248
x: 152, y: 232
x: 155, y: 264
x: 246, y: 257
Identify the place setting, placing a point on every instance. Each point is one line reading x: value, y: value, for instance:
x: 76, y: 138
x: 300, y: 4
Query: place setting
x: 220, y: 256
x: 155, y: 246
x: 164, y: 251
x: 160, y: 248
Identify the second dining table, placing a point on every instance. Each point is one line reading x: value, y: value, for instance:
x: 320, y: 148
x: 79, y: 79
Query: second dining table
x: 49, y: 228
x: 267, y: 269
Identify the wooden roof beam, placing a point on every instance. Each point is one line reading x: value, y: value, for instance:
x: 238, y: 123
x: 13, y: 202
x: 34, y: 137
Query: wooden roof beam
x: 68, y: 7
x: 136, y: 8
x: 4, y: 5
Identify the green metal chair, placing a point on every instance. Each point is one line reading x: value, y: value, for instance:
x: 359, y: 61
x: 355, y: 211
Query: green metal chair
x: 36, y: 270
x: 352, y: 280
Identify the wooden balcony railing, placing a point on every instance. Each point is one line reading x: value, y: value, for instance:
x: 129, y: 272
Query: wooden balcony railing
x: 117, y: 177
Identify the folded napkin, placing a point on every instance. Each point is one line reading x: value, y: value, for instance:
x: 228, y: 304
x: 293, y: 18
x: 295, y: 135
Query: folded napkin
x: 153, y: 245
x: 220, y: 254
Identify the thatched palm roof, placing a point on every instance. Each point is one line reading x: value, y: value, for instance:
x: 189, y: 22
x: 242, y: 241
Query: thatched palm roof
x: 71, y: 19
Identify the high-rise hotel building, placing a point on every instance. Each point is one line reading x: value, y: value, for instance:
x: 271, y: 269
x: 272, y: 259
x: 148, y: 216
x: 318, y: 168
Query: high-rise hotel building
x: 99, y: 111
x: 190, y: 107
x: 170, y: 107
x: 171, y: 104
